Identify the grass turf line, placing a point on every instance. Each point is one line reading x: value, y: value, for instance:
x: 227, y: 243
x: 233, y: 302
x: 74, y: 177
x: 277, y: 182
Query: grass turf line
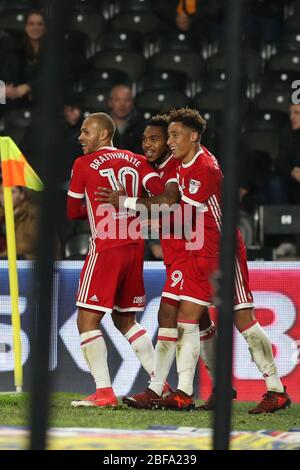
x: 14, y: 411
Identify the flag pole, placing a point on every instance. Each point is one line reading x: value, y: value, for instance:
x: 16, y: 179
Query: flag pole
x: 16, y: 171
x: 13, y: 285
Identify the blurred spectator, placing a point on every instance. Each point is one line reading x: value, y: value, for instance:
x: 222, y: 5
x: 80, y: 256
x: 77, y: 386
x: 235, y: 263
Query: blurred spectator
x: 130, y: 124
x: 28, y: 59
x: 26, y: 216
x: 193, y: 17
x: 264, y: 21
x: 72, y: 121
x: 286, y: 183
x: 26, y: 224
x: 255, y: 173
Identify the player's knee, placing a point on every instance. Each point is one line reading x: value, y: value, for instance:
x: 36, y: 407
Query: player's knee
x: 167, y: 316
x: 243, y: 317
x: 87, y: 321
x: 123, y: 323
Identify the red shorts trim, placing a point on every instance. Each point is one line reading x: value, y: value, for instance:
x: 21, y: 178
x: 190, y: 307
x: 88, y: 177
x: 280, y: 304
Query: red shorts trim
x: 198, y: 285
x: 113, y: 279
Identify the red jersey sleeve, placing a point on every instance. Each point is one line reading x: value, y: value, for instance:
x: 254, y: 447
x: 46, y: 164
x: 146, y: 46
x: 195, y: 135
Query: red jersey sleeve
x: 170, y: 176
x: 199, y: 185
x: 151, y: 180
x: 75, y: 208
x: 77, y: 186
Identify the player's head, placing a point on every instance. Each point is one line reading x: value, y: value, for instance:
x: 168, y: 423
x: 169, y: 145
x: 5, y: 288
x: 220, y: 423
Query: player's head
x: 155, y: 138
x: 185, y: 129
x: 97, y: 130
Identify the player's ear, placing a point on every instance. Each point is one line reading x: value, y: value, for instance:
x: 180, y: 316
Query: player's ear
x: 194, y: 136
x: 104, y: 134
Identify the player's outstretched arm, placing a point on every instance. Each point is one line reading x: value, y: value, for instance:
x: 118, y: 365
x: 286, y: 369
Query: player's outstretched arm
x: 169, y: 196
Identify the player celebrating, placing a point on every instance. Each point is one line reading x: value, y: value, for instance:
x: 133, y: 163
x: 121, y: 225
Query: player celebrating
x: 200, y: 180
x: 111, y: 280
x: 175, y: 255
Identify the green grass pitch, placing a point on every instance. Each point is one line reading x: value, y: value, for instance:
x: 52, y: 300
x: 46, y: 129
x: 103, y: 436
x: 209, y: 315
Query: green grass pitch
x: 14, y: 411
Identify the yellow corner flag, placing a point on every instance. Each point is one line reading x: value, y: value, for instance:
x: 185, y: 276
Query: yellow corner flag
x: 16, y: 171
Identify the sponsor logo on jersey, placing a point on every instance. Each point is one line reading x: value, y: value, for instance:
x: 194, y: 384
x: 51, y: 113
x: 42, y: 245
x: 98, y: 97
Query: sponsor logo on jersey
x: 194, y: 186
x: 139, y: 300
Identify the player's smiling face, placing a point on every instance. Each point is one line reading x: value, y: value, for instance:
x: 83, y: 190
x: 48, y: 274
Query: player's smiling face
x: 90, y: 136
x: 182, y: 141
x: 154, y: 143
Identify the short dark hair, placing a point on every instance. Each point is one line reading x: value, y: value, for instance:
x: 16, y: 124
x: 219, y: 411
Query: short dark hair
x: 35, y: 12
x: 160, y: 120
x: 189, y: 118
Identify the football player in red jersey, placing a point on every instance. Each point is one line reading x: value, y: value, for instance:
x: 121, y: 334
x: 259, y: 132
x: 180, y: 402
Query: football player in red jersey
x: 111, y: 280
x: 175, y: 256
x: 200, y: 178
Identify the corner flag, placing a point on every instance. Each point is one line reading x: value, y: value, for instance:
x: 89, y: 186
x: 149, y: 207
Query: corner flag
x: 16, y: 171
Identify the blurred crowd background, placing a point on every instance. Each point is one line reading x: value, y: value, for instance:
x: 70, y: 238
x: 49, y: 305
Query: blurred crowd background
x: 136, y: 58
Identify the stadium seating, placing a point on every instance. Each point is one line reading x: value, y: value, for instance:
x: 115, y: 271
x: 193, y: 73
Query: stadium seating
x: 292, y: 7
x: 91, y: 24
x: 187, y: 62
x: 17, y: 5
x: 95, y: 99
x: 162, y: 80
x: 16, y: 122
x: 261, y: 130
x: 85, y: 6
x: 135, y: 15
x: 173, y: 41
x: 13, y: 20
x: 286, y: 60
x: 292, y: 23
x: 102, y: 78
x: 125, y: 61
x: 161, y: 100
x: 278, y: 220
x: 251, y: 63
x: 273, y: 100
x: 277, y: 80
x: 214, y: 100
x: 121, y: 41
x: 288, y: 41
x: 77, y: 246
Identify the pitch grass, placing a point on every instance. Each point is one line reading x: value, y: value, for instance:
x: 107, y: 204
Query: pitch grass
x: 14, y: 410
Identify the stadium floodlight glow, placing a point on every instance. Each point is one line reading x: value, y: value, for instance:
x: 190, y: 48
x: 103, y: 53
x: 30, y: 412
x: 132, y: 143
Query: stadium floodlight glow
x: 2, y: 92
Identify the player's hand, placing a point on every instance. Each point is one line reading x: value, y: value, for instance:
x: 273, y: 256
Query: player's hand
x: 109, y: 196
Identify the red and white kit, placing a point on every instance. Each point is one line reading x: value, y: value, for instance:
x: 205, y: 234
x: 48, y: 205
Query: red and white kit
x: 112, y: 275
x: 174, y: 250
x: 200, y: 183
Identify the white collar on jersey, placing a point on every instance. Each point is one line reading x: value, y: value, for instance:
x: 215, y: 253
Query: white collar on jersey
x: 163, y: 164
x: 186, y: 165
x: 106, y: 147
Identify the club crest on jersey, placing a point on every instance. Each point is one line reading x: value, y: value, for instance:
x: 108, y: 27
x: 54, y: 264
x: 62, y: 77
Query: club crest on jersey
x: 194, y: 186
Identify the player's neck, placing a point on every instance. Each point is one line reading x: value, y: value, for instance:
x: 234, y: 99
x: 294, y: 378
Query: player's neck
x: 189, y: 157
x: 109, y: 143
x: 162, y: 160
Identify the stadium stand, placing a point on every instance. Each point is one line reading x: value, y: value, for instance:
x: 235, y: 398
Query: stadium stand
x: 137, y: 43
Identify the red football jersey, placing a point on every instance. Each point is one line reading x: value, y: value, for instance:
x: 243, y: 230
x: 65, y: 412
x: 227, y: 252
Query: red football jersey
x: 107, y: 167
x: 200, y: 183
x: 171, y: 246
